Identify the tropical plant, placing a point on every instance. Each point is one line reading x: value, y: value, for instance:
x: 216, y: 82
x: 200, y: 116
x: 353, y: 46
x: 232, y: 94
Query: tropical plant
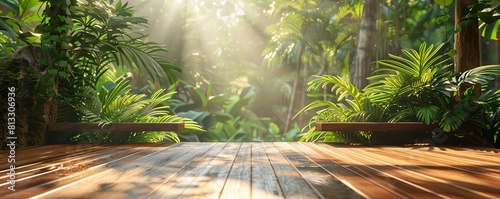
x: 309, y: 34
x: 78, y: 41
x: 18, y: 19
x: 417, y: 87
x: 111, y: 101
x: 100, y: 35
x: 225, y: 117
x: 488, y: 11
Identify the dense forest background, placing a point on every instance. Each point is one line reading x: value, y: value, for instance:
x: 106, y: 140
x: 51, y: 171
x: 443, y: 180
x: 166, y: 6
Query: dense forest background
x: 246, y: 65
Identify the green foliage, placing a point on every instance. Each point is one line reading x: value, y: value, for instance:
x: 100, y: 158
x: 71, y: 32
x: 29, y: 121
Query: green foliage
x: 314, y: 32
x: 17, y: 24
x: 488, y: 11
x: 416, y: 87
x: 226, y: 117
x: 55, y: 27
x: 403, y: 80
x: 111, y: 101
x: 84, y: 38
x: 444, y: 2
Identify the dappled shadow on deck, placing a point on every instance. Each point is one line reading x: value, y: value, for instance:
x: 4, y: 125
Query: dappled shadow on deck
x: 254, y: 170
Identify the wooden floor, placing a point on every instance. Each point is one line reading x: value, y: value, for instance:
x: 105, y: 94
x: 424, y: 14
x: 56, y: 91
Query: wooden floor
x: 252, y: 170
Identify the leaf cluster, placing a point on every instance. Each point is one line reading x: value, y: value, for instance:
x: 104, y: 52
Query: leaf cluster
x: 418, y: 86
x: 225, y: 117
x: 112, y: 101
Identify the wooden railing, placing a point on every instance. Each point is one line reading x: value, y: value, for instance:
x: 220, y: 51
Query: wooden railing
x: 384, y: 126
x: 115, y: 127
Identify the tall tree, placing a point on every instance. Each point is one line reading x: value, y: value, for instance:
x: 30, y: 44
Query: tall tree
x: 367, y: 29
x: 467, y: 40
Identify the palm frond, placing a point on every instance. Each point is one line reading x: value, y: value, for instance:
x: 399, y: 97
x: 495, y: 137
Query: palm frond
x: 428, y: 114
x: 480, y: 75
x: 341, y: 87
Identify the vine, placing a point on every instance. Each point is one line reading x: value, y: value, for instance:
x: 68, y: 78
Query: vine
x: 54, y: 49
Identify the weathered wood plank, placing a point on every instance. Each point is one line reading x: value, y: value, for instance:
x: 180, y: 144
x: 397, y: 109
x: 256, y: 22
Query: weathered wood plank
x: 264, y: 181
x: 383, y: 126
x: 238, y: 184
x: 327, y: 185
x: 291, y: 181
x: 115, y: 127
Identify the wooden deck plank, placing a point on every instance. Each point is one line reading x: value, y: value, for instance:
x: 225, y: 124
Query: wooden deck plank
x: 455, y: 153
x: 460, y: 181
x: 55, y: 166
x: 394, y: 184
x: 205, y: 177
x: 410, y: 175
x: 264, y: 181
x: 254, y: 170
x: 52, y: 167
x: 327, y: 185
x: 345, y: 173
x: 385, y: 176
x: 477, y: 166
x: 212, y: 182
x: 36, y: 154
x: 290, y: 179
x: 133, y: 179
x: 238, y: 184
x: 110, y: 158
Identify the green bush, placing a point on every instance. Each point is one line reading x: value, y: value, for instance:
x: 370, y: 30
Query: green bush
x: 418, y: 87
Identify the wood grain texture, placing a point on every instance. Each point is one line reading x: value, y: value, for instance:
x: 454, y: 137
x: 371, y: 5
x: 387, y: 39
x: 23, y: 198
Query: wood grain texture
x: 135, y: 179
x: 412, y: 179
x: 53, y: 172
x: 292, y: 182
x: 254, y: 170
x: 114, y: 127
x: 238, y: 183
x: 327, y: 185
x: 264, y: 181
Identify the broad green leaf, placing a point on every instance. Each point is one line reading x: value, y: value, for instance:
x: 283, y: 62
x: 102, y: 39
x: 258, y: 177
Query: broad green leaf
x: 273, y: 128
x: 11, y: 5
x: 491, y: 31
x: 53, y: 71
x: 443, y: 2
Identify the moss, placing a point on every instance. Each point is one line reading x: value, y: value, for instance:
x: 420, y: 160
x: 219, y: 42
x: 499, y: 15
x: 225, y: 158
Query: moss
x: 30, y: 99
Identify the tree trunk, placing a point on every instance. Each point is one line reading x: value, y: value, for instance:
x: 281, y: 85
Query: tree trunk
x: 367, y: 30
x: 466, y: 41
x: 33, y: 107
x: 497, y: 79
x: 303, y: 99
x: 293, y: 97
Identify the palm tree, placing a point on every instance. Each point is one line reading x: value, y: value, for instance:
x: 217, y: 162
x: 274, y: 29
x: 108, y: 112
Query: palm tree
x: 307, y: 35
x: 362, y: 64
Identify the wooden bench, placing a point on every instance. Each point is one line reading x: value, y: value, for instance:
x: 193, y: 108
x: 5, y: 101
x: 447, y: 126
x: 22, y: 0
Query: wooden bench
x: 384, y: 126
x: 115, y: 127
